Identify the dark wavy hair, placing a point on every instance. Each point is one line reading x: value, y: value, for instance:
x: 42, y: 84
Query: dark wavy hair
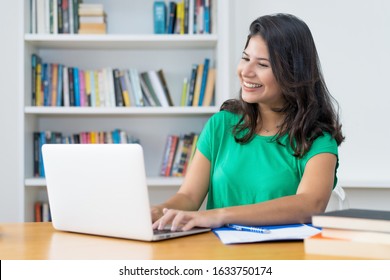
x: 309, y: 108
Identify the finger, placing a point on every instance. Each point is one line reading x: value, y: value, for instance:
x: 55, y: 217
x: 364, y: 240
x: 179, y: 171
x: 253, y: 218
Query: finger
x: 166, y: 218
x: 191, y: 224
x: 180, y: 219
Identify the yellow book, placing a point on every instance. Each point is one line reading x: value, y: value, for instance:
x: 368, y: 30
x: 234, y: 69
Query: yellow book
x: 87, y: 75
x: 125, y: 91
x: 198, y: 84
x: 210, y: 85
x: 97, y: 96
x: 54, y: 80
x: 39, y: 97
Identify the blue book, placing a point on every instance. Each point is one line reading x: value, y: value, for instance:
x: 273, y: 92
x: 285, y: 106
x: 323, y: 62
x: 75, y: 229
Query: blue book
x: 59, y: 85
x: 76, y: 87
x: 171, y: 18
x: 160, y: 17
x: 45, y: 81
x: 42, y: 141
x: 206, y: 17
x: 204, y: 81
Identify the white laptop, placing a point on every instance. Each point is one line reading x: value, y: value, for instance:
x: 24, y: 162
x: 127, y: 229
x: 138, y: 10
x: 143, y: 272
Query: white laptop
x: 101, y: 189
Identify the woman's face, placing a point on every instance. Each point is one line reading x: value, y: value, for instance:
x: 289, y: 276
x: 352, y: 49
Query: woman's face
x: 257, y: 80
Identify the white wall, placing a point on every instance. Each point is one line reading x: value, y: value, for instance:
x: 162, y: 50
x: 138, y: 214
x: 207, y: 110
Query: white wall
x: 353, y: 42
x: 10, y: 195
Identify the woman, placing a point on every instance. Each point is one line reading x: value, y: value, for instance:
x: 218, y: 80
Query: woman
x: 271, y: 156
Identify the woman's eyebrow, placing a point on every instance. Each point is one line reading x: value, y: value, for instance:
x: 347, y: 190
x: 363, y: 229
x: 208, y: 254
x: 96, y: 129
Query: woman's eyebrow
x: 258, y: 58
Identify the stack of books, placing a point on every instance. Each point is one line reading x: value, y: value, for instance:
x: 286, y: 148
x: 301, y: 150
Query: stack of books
x: 92, y: 19
x: 357, y: 233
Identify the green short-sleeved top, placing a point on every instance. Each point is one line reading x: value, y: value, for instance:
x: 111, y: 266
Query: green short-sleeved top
x: 256, y: 171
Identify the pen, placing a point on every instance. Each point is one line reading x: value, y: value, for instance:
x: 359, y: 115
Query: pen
x: 247, y: 228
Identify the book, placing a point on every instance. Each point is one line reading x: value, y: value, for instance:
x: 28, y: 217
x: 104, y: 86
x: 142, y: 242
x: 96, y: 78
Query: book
x: 179, y: 21
x: 356, y: 235
x: 356, y: 219
x: 118, y: 89
x: 159, y: 17
x: 234, y: 235
x: 164, y: 83
x: 92, y: 28
x: 320, y: 245
x: 125, y: 91
x: 35, y: 60
x: 204, y: 80
x: 171, y: 18
x: 158, y: 88
x: 210, y: 87
x: 198, y: 84
x: 60, y: 87
x: 136, y: 87
x: 184, y: 93
x: 144, y: 76
x: 191, y: 84
x: 146, y: 92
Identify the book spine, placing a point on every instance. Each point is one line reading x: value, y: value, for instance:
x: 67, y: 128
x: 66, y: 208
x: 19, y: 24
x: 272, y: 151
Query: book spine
x: 118, y: 90
x: 125, y: 92
x: 164, y: 84
x: 66, y: 86
x: 34, y: 62
x: 172, y: 18
x: 60, y: 85
x: 172, y: 153
x: 76, y: 86
x: 204, y: 81
x: 198, y: 84
x: 160, y: 17
x: 54, y: 85
x: 192, y: 82
x: 158, y: 88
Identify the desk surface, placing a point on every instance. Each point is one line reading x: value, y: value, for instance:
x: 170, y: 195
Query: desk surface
x: 42, y: 241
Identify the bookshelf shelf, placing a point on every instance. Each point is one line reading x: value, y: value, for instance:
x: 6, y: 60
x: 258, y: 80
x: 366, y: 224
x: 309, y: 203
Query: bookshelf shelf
x: 114, y: 41
x: 78, y: 111
x: 127, y: 44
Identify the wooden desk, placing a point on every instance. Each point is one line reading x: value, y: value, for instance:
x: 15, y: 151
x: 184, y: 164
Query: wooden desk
x: 42, y: 241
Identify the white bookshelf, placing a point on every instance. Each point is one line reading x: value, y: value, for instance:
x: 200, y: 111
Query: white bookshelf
x: 130, y: 42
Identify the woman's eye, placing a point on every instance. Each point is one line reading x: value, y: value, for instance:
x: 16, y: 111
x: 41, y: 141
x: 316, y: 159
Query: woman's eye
x: 245, y: 58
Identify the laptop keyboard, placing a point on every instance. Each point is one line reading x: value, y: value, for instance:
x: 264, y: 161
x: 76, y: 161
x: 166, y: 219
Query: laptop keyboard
x: 161, y: 231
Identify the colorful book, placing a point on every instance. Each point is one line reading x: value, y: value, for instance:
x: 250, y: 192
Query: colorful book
x: 164, y: 83
x: 191, y: 91
x: 136, y: 87
x: 158, y: 88
x: 204, y: 81
x: 210, y: 88
x: 198, y: 84
x: 125, y: 92
x: 171, y: 18
x: 60, y: 89
x: 145, y: 77
x: 159, y: 17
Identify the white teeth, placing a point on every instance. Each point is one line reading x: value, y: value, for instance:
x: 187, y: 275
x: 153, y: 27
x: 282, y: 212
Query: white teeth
x: 251, y: 85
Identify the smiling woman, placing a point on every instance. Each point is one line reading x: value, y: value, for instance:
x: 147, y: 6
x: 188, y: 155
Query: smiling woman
x: 271, y: 156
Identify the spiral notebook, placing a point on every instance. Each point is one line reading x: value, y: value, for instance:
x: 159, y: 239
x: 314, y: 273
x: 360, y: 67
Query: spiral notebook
x: 229, y: 235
